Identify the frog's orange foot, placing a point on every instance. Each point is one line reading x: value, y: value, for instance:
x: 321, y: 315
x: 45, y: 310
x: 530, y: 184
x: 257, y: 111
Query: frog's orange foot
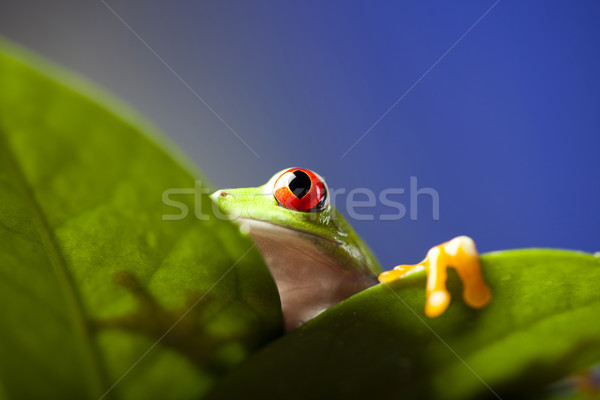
x: 459, y: 253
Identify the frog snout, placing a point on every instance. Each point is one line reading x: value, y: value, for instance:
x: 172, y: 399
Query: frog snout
x: 220, y: 193
x: 215, y: 196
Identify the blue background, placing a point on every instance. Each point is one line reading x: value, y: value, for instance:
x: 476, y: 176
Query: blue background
x: 506, y: 127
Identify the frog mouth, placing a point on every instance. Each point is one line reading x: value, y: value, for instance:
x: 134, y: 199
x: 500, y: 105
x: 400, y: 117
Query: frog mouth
x: 247, y: 225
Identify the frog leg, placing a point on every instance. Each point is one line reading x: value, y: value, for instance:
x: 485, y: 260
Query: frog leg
x: 459, y: 253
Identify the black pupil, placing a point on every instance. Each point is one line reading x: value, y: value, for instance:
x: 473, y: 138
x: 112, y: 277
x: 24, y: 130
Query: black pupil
x: 300, y: 184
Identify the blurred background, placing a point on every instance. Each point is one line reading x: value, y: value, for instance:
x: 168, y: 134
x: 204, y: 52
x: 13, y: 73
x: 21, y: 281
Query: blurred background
x: 503, y: 122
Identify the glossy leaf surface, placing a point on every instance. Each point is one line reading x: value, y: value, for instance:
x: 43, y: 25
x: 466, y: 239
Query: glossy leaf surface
x: 98, y: 274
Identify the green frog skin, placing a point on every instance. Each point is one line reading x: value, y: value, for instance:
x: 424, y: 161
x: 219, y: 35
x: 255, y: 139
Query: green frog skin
x: 316, y: 258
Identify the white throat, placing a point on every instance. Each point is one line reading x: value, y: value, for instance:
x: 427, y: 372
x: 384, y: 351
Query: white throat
x: 309, y: 279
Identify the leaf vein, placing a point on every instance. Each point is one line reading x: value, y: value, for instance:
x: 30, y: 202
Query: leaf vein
x: 96, y: 373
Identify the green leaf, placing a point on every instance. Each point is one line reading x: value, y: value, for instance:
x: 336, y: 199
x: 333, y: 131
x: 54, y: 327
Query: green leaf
x: 541, y: 325
x: 104, y: 297
x: 96, y: 287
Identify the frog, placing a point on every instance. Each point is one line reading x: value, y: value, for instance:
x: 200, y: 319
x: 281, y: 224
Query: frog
x: 318, y: 260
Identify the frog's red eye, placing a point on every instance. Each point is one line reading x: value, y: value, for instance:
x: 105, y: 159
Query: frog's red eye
x: 300, y: 190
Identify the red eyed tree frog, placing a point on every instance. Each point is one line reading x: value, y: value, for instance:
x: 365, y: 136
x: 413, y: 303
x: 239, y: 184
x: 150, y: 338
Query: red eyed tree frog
x: 316, y: 258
